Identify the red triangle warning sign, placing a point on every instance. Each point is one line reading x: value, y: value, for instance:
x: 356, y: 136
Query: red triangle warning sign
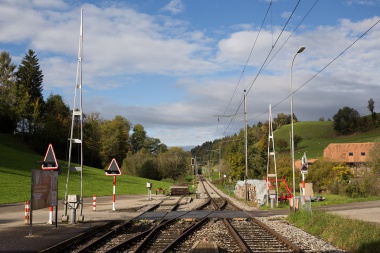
x: 50, y: 162
x: 113, y: 169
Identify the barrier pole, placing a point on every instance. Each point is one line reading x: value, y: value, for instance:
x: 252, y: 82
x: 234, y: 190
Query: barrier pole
x: 50, y: 221
x: 303, y: 186
x: 114, y: 194
x: 94, y: 202
x: 26, y: 216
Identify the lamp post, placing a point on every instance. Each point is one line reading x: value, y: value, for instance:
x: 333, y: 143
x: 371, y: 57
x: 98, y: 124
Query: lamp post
x: 300, y: 50
x: 245, y: 146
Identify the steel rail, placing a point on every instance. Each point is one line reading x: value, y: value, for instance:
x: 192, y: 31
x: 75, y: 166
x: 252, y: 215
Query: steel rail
x: 241, y: 241
x: 113, y: 232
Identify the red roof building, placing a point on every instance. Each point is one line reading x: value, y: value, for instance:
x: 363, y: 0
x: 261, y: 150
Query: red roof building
x: 353, y: 154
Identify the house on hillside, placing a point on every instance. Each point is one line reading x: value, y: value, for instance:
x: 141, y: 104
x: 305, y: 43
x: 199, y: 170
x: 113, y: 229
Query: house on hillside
x: 353, y: 154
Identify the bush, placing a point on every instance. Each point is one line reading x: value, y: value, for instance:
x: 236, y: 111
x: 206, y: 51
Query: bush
x: 338, y: 187
x: 169, y: 180
x: 367, y: 186
x: 354, y: 190
x: 370, y: 184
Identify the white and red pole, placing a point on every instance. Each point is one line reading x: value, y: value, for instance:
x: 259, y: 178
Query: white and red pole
x: 114, y: 194
x: 94, y: 202
x: 303, y: 186
x: 26, y: 216
x: 50, y: 221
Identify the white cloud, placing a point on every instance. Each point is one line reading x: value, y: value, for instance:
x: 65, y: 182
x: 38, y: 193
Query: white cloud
x: 126, y: 51
x: 174, y: 7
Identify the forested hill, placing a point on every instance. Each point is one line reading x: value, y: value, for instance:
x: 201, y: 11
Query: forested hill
x: 311, y: 137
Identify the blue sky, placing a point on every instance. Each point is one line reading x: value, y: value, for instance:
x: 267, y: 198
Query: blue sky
x: 172, y: 65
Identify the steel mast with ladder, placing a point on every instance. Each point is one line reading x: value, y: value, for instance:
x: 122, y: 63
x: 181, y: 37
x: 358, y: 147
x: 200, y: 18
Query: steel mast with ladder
x: 271, y: 173
x: 77, y: 139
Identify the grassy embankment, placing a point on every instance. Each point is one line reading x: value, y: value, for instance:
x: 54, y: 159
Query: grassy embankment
x: 17, y: 161
x: 354, y: 236
x: 317, y: 135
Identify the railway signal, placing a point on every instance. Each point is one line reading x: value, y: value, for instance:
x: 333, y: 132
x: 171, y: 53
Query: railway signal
x: 113, y: 170
x: 50, y: 161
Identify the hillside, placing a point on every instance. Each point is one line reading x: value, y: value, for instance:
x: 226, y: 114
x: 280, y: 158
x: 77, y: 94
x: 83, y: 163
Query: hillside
x: 317, y: 135
x: 17, y: 160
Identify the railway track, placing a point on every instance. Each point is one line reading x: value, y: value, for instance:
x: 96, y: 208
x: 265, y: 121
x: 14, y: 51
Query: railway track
x: 182, y: 234
x: 254, y: 236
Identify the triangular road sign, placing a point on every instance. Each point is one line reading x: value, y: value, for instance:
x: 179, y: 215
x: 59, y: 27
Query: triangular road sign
x: 50, y: 162
x: 113, y: 169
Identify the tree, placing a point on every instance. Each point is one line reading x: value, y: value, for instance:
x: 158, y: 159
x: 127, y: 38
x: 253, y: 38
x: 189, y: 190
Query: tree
x: 8, y: 120
x: 346, y: 121
x: 138, y: 138
x: 173, y: 163
x: 371, y: 108
x: 114, y: 135
x: 29, y: 80
x: 154, y: 146
x: 282, y: 119
x: 92, y: 136
x: 373, y: 159
x: 57, y: 118
x: 371, y: 105
x: 297, y: 139
x: 141, y: 164
x: 235, y: 157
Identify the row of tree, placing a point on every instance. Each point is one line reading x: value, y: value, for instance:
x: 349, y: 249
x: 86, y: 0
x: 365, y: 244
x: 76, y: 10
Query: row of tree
x: 348, y: 120
x: 39, y: 122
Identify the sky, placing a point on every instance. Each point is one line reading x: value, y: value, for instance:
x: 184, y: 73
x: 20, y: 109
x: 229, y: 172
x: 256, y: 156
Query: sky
x: 181, y: 68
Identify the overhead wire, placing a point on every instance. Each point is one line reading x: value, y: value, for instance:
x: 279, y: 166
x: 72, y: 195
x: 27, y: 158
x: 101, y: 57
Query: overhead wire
x: 291, y: 34
x: 263, y: 65
x: 245, y: 66
x: 278, y: 37
x: 327, y: 65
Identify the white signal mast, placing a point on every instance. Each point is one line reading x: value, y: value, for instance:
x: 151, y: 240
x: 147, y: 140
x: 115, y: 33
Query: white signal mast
x: 271, y: 172
x: 77, y: 122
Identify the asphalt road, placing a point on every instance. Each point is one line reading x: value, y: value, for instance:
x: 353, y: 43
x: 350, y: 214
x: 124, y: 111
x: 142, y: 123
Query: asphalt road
x: 367, y: 211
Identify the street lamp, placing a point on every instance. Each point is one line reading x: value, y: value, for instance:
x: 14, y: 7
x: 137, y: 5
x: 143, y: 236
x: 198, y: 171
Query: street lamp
x: 300, y: 50
x: 245, y: 146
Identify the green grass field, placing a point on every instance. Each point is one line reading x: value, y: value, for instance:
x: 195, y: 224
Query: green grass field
x: 17, y: 162
x: 317, y: 135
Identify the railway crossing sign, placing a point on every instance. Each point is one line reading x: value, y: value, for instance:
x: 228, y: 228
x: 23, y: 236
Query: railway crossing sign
x: 304, y: 164
x: 113, y: 169
x: 50, y: 162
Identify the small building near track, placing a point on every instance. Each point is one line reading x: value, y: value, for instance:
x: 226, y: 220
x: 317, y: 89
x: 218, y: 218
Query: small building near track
x: 257, y: 190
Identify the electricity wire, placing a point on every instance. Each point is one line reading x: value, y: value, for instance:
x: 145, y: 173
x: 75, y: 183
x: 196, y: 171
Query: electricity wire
x: 320, y: 71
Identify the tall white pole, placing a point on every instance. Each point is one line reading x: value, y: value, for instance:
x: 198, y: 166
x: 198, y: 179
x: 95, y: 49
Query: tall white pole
x: 246, y: 145
x: 291, y: 118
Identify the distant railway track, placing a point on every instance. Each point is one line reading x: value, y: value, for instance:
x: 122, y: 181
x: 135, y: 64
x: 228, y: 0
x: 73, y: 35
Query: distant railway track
x: 253, y: 235
x: 174, y: 231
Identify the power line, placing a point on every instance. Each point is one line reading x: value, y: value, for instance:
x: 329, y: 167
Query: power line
x: 327, y: 65
x: 244, y: 68
x: 263, y: 65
